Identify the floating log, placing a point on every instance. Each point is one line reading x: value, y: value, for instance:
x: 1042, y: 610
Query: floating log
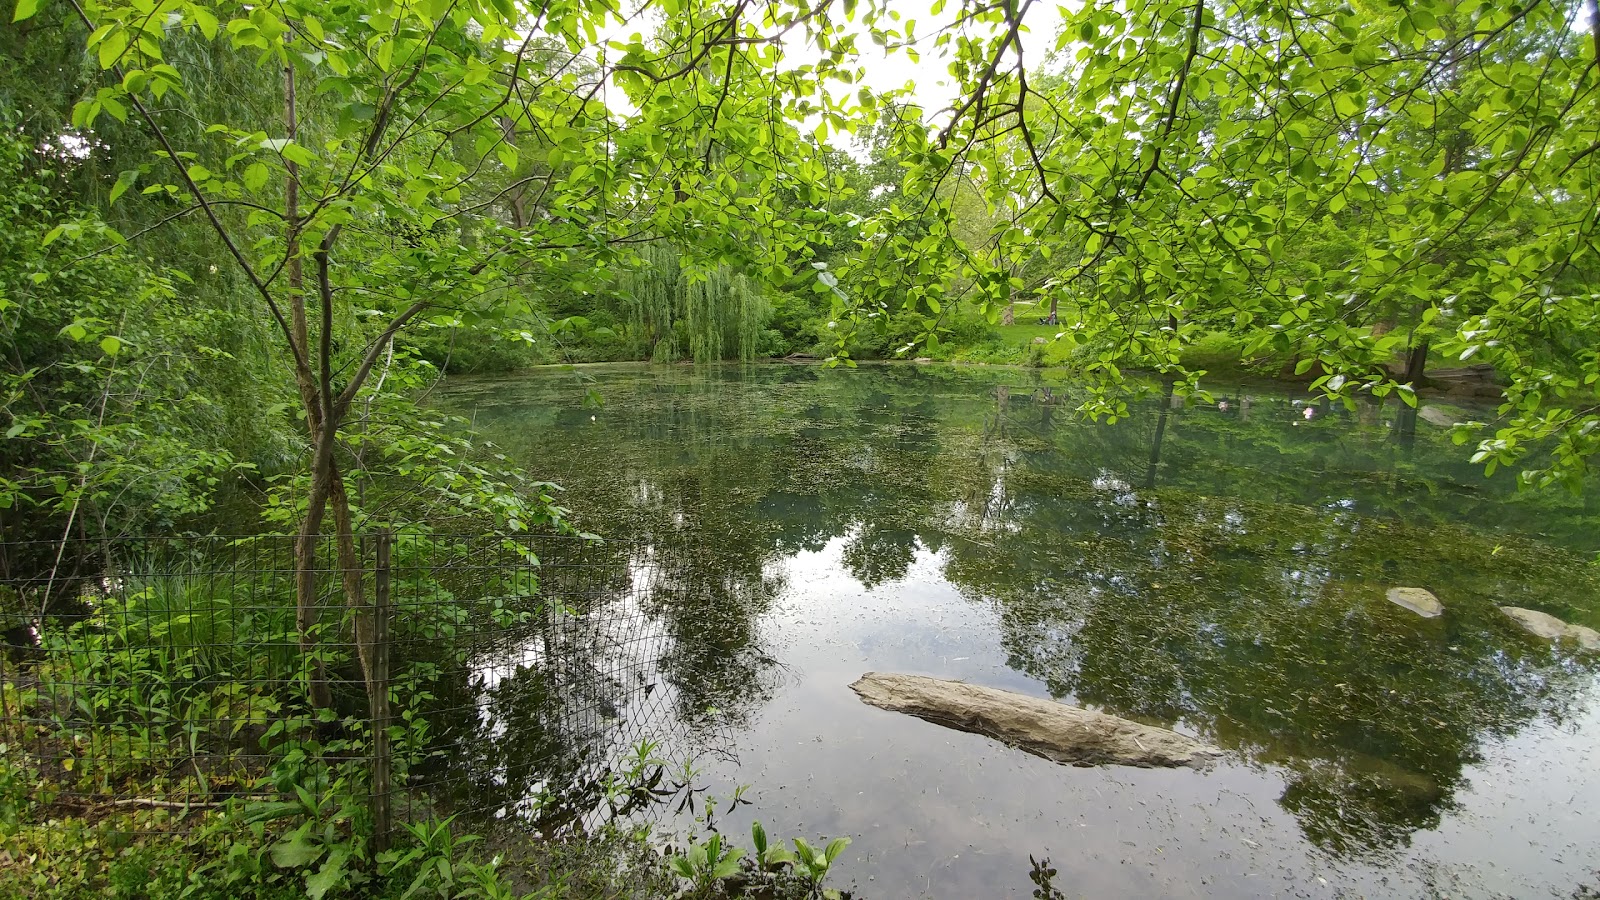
x: 1069, y: 735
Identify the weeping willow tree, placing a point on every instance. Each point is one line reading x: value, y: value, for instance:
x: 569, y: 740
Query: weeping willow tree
x: 677, y: 311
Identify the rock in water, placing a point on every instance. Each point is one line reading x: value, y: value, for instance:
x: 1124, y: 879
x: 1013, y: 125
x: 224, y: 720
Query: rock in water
x: 1436, y: 416
x: 1551, y: 628
x: 1055, y: 731
x: 1419, y: 601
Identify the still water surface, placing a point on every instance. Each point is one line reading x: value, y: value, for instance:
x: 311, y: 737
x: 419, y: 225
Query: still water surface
x: 1216, y: 569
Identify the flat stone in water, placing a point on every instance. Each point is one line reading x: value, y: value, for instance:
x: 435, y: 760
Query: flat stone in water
x: 1542, y: 624
x: 1058, y: 732
x: 1418, y: 600
x: 1434, y: 415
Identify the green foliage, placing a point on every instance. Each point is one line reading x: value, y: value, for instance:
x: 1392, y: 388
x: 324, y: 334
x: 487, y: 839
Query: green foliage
x: 1350, y: 186
x: 205, y: 667
x: 311, y: 846
x: 444, y: 871
x: 676, y: 311
x: 713, y: 868
x: 410, y: 166
x: 104, y: 388
x: 138, y: 677
x: 813, y: 863
x: 705, y: 863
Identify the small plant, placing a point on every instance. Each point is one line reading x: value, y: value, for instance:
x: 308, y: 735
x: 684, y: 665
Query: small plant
x: 17, y: 788
x: 706, y: 863
x: 433, y: 852
x: 323, y: 836
x: 1043, y: 877
x: 808, y: 864
x: 813, y: 864
x: 768, y: 858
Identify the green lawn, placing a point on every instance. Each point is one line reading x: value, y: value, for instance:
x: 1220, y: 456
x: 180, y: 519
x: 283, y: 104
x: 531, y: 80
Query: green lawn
x: 1026, y: 330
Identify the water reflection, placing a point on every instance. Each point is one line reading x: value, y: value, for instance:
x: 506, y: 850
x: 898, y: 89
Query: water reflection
x: 1217, y: 569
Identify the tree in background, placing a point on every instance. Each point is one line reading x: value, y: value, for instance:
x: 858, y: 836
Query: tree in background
x: 423, y: 161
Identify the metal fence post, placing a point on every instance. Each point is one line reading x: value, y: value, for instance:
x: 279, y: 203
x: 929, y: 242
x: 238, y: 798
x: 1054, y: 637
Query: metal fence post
x: 378, y: 695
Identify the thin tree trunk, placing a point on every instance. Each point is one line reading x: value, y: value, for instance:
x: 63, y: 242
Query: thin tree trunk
x: 305, y: 559
x: 351, y: 568
x: 1154, y: 465
x: 307, y: 612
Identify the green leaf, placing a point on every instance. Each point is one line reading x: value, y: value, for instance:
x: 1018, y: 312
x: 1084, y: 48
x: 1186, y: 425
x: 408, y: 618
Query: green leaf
x: 330, y: 876
x: 205, y: 21
x: 124, y: 181
x: 728, y: 865
x: 295, y: 852
x: 803, y: 848
x: 256, y: 175
x: 110, y: 345
x: 297, y: 154
x: 835, y: 847
x: 508, y: 157
x: 112, y: 48
x: 25, y: 10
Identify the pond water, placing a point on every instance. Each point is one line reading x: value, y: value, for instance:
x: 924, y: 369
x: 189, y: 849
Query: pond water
x: 1217, y: 569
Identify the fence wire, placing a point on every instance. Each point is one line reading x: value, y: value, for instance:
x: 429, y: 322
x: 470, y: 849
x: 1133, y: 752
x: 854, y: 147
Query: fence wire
x: 525, y: 675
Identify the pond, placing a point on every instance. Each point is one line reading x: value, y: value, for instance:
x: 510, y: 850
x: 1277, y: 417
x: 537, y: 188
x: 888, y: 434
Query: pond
x: 1218, y: 569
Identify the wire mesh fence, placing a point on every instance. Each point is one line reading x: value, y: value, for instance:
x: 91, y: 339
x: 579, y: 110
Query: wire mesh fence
x: 516, y: 678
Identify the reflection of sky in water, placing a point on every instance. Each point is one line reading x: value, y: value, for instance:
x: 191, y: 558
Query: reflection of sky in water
x: 1219, y: 571
x: 939, y: 813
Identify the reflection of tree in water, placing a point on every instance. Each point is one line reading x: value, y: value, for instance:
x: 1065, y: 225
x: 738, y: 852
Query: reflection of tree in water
x: 875, y: 554
x: 712, y: 603
x: 710, y: 585
x: 1256, y: 617
x: 1261, y: 627
x: 560, y: 699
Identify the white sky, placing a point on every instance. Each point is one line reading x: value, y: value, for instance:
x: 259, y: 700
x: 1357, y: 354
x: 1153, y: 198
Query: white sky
x: 934, y: 86
x: 887, y: 70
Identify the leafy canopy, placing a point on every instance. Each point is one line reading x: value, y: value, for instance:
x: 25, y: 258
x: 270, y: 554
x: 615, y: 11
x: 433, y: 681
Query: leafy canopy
x: 1349, y: 183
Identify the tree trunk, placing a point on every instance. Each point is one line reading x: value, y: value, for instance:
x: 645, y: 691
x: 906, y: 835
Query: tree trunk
x: 350, y: 566
x: 1154, y: 464
x: 327, y: 484
x: 1416, y: 364
x: 307, y: 611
